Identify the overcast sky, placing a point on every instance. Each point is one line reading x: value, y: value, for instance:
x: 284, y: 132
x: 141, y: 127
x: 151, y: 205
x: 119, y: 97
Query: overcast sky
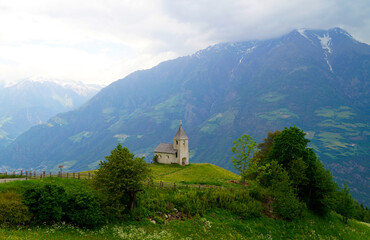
x: 101, y: 41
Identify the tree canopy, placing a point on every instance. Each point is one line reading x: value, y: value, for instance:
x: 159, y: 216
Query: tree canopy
x: 308, y: 179
x: 121, y: 177
x: 243, y: 149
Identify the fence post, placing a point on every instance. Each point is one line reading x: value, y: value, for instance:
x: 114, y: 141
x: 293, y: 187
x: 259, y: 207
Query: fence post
x: 13, y: 173
x: 21, y: 173
x: 6, y: 174
x: 40, y: 175
x: 73, y: 175
x: 160, y: 184
x: 79, y: 175
x: 199, y: 186
x: 174, y: 185
x: 67, y: 175
x: 89, y: 175
x: 43, y: 174
x: 34, y: 173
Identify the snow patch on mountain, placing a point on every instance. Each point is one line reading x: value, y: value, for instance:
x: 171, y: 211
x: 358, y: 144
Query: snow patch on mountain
x: 327, y: 61
x: 301, y: 31
x: 325, y: 42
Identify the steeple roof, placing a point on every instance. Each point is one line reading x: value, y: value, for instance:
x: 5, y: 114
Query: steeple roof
x: 180, y: 135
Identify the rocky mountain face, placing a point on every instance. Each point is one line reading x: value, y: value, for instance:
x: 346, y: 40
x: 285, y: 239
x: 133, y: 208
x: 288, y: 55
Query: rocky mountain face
x: 317, y: 80
x: 28, y: 103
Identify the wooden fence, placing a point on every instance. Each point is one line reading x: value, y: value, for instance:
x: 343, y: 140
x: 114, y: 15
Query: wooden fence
x: 34, y: 174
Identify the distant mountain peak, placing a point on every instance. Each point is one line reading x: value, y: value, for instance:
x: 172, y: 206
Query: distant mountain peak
x: 82, y: 89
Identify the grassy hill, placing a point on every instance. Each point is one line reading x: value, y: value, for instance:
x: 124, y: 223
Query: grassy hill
x: 192, y: 174
x: 200, y: 173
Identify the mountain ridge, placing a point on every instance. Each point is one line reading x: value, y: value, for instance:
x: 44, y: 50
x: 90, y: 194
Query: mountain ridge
x: 30, y: 102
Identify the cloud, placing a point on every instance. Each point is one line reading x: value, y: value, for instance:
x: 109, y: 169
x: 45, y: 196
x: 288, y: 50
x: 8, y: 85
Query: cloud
x: 101, y: 41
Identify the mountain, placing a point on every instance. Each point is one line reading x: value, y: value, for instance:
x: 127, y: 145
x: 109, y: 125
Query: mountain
x: 30, y: 102
x: 317, y: 80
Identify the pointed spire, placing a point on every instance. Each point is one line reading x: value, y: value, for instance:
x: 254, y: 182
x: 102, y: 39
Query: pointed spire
x: 181, y: 135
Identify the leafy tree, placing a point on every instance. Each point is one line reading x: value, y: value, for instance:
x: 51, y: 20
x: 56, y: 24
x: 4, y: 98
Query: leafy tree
x: 320, y: 190
x: 312, y: 183
x: 264, y: 148
x: 345, y: 204
x: 121, y: 177
x: 258, y: 162
x: 243, y: 149
x: 285, y: 203
x: 289, y: 145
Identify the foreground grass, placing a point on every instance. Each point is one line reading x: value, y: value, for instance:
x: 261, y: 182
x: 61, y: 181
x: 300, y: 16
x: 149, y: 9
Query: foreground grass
x: 218, y: 224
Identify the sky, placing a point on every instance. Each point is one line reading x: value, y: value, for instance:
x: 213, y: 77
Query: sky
x: 101, y: 41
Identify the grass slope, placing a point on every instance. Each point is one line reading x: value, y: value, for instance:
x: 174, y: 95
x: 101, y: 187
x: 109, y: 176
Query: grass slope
x: 201, y: 173
x: 195, y: 173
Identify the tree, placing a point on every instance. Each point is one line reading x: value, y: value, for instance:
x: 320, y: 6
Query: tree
x: 258, y: 161
x: 312, y: 183
x: 285, y: 203
x: 121, y: 177
x: 290, y: 144
x: 264, y: 148
x: 345, y: 204
x: 243, y: 149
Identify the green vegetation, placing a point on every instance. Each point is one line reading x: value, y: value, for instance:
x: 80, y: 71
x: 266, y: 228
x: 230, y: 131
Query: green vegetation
x: 342, y: 112
x: 288, y: 195
x: 78, y: 137
x: 217, y: 224
x: 272, y: 97
x: 201, y: 173
x: 9, y: 175
x: 120, y: 178
x: 217, y: 120
x: 243, y: 150
x: 281, y: 113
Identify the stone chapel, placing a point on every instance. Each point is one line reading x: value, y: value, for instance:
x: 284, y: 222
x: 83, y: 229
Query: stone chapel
x: 176, y: 152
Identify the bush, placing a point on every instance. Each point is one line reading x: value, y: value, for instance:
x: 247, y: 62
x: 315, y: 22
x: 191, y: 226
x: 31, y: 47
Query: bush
x: 45, y: 203
x: 82, y: 208
x: 13, y: 212
x: 287, y: 206
x: 192, y: 202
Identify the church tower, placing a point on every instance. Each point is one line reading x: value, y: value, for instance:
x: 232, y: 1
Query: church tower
x: 181, y: 144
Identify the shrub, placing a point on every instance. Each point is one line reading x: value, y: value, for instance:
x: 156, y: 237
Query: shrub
x: 13, y: 211
x: 192, y: 202
x: 45, y: 202
x: 82, y: 208
x: 286, y: 204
